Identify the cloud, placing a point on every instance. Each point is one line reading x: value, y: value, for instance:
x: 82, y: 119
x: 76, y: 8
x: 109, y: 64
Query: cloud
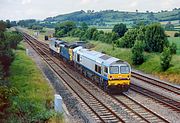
x: 85, y: 1
x: 40, y: 9
x: 133, y: 4
x: 88, y: 1
x: 25, y: 2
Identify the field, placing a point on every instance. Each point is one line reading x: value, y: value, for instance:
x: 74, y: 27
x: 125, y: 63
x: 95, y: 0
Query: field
x: 176, y: 22
x: 105, y: 30
x: 170, y: 33
x: 175, y: 40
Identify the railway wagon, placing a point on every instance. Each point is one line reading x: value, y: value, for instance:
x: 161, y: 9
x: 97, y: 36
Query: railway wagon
x: 109, y: 72
x: 55, y: 45
x: 66, y: 51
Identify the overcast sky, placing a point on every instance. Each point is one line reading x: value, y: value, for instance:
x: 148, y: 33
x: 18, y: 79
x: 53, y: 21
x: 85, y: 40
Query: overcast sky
x: 41, y: 9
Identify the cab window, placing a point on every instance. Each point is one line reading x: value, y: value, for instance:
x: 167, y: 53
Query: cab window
x: 97, y: 68
x: 105, y: 69
x: 124, y: 69
x: 114, y: 70
x: 78, y: 57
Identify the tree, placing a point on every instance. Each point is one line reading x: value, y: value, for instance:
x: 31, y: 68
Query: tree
x: 155, y: 38
x: 89, y: 33
x: 64, y: 28
x: 165, y: 58
x: 83, y: 26
x: 8, y: 24
x: 2, y: 26
x: 120, y: 29
x: 128, y: 40
x: 137, y: 53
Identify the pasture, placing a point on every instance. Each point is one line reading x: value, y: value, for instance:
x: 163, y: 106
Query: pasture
x: 175, y: 40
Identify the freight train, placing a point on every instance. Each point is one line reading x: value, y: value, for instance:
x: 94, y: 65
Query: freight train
x: 108, y: 72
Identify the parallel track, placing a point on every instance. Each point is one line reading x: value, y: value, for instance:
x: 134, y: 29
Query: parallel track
x: 155, y: 82
x: 175, y: 105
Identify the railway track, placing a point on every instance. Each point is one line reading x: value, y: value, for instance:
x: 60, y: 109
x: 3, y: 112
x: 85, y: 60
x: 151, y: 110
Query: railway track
x: 155, y: 82
x: 175, y: 105
x: 99, y: 111
x: 105, y: 114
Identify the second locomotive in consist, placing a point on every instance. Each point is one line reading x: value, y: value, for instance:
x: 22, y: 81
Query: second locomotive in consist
x: 108, y: 72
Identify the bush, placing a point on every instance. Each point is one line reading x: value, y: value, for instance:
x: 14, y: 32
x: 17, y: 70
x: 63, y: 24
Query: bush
x: 128, y: 40
x: 89, y: 33
x: 137, y: 53
x: 173, y: 48
x: 28, y: 110
x: 165, y: 58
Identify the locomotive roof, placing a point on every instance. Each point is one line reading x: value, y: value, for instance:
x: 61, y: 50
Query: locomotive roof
x: 71, y: 45
x: 100, y: 57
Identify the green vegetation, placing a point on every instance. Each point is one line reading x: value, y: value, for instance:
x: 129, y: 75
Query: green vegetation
x: 34, y: 99
x: 62, y: 29
x: 120, y: 29
x: 175, y: 40
x: 137, y: 53
x: 155, y: 38
x: 108, y: 18
x: 169, y: 26
x: 151, y: 38
x: 128, y: 40
x: 70, y: 29
x: 165, y: 58
x: 24, y: 95
x: 8, y: 40
x: 151, y: 60
x: 168, y: 15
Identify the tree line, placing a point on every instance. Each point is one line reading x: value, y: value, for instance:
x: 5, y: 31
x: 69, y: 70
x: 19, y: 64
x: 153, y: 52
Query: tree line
x: 149, y: 38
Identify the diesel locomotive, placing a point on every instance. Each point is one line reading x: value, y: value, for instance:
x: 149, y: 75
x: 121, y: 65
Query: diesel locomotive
x: 108, y: 72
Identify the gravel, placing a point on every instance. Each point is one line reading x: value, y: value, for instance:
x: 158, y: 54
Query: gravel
x: 169, y: 114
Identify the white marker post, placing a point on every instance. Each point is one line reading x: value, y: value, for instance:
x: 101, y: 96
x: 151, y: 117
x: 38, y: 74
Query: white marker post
x: 58, y: 103
x: 27, y: 52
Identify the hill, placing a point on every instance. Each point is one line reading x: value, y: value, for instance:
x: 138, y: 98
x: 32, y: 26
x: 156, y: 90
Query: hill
x: 110, y: 17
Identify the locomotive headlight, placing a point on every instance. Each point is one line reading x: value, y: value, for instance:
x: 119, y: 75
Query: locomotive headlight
x: 110, y: 77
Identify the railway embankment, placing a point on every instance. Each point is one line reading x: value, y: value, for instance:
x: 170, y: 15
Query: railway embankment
x: 34, y: 98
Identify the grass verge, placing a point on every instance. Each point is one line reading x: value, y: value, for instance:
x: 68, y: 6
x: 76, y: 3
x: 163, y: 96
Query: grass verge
x: 33, y: 102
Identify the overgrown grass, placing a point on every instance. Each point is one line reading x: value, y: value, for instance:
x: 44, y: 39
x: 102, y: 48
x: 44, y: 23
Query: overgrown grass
x: 35, y: 95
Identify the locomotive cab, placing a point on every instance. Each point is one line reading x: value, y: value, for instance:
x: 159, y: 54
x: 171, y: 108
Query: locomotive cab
x: 119, y: 76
